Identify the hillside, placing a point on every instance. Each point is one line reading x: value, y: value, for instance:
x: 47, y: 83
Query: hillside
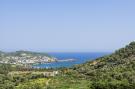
x: 124, y: 57
x: 115, y: 71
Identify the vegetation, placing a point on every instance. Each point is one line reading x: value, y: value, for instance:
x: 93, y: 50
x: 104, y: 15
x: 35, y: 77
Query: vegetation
x: 115, y: 71
x: 21, y: 79
x: 33, y: 84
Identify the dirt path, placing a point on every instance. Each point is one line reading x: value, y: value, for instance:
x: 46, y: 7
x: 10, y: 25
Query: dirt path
x: 47, y: 82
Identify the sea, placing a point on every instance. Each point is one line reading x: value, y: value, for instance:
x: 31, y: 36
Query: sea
x: 78, y: 58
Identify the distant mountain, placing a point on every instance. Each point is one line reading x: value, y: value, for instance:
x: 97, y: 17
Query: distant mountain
x: 22, y: 53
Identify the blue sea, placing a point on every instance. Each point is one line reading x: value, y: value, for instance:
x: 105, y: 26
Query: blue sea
x: 79, y: 59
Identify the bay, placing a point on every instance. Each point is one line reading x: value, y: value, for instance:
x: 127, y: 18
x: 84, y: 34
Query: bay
x: 79, y: 58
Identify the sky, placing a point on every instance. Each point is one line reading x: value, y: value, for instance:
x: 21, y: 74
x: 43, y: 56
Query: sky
x: 66, y: 25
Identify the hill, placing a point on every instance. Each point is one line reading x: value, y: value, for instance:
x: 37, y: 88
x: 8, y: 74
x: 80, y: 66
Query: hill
x: 23, y: 53
x: 124, y: 57
x: 115, y: 71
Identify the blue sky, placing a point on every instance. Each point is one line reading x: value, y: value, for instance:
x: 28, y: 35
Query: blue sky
x: 66, y: 25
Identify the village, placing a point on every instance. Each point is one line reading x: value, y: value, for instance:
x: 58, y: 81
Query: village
x: 26, y: 59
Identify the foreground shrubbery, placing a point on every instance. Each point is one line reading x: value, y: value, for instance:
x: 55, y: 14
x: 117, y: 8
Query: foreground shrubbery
x: 33, y: 84
x: 22, y: 80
